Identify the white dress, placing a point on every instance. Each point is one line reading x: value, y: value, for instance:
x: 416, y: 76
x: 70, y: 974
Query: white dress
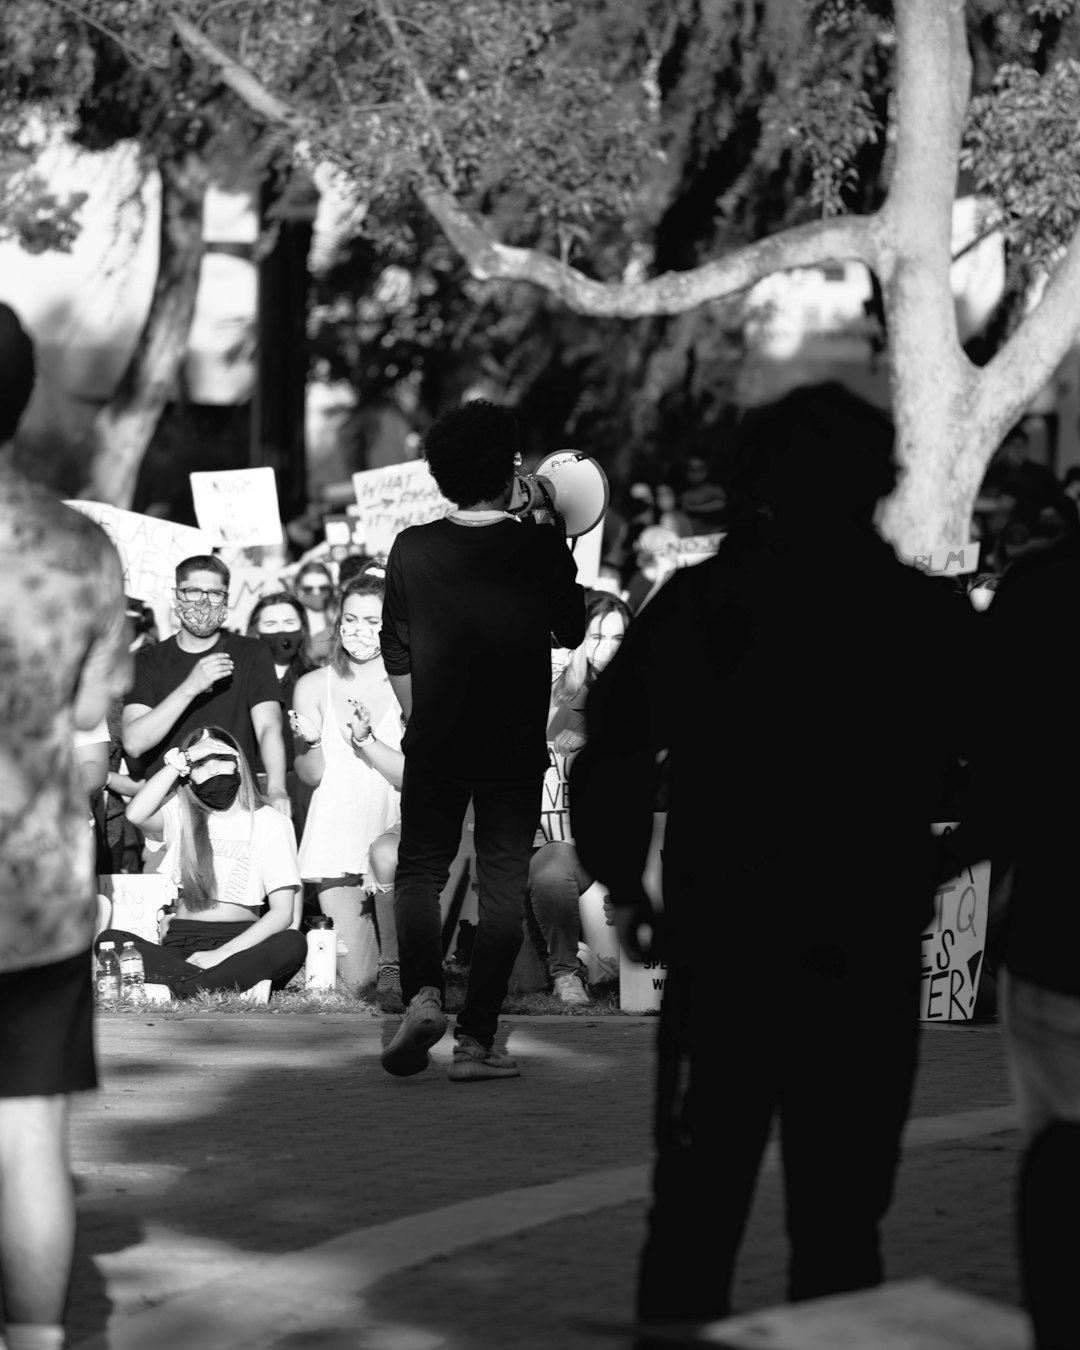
x: 353, y: 803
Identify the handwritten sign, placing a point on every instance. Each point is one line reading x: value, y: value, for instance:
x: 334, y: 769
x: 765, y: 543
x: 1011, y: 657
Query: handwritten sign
x: 555, y: 804
x: 136, y: 900
x: 149, y: 550
x: 948, y: 562
x: 390, y: 499
x: 693, y: 549
x: 237, y: 507
x: 247, y: 586
x: 954, y: 944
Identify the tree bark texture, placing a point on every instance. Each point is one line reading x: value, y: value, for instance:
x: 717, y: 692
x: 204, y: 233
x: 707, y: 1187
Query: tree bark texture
x: 124, y: 427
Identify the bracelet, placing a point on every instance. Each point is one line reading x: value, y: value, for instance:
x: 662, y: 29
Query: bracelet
x: 366, y: 741
x: 314, y: 745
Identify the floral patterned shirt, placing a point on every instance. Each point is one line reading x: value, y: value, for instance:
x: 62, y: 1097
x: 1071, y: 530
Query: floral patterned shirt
x: 62, y: 625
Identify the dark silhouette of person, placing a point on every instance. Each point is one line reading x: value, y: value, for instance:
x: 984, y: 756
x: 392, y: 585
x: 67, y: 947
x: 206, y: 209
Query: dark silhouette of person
x: 1026, y: 802
x: 799, y: 693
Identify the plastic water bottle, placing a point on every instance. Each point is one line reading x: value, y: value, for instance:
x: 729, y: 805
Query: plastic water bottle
x: 132, y: 975
x: 107, y: 978
x: 321, y: 966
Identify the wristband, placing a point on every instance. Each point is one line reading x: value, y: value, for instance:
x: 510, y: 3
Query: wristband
x: 178, y: 760
x: 366, y: 741
x: 314, y: 745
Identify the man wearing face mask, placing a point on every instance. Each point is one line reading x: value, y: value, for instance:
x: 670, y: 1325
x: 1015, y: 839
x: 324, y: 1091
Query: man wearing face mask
x: 204, y: 676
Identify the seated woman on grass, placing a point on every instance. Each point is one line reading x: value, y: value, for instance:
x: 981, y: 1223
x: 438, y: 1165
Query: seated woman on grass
x: 233, y: 861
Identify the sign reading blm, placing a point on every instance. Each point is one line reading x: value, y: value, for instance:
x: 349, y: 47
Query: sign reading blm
x: 954, y: 944
x: 390, y: 499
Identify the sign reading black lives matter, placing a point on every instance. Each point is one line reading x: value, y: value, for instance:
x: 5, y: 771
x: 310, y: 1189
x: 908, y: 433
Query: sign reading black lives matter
x: 954, y: 944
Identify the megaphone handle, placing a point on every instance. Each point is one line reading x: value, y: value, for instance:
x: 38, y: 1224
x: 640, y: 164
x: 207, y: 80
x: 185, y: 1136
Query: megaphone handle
x: 549, y: 504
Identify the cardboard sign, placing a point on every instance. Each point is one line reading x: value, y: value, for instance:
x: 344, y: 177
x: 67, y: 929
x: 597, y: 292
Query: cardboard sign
x: 948, y: 562
x: 136, y: 900
x: 249, y: 585
x: 390, y: 499
x: 238, y: 507
x: 149, y: 549
x: 954, y: 945
x: 693, y: 549
x: 555, y: 804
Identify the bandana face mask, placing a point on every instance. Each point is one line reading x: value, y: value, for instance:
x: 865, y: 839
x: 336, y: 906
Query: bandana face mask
x: 201, y: 619
x: 361, y: 646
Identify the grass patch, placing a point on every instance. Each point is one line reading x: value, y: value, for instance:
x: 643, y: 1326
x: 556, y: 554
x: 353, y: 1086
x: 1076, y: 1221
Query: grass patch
x: 294, y: 998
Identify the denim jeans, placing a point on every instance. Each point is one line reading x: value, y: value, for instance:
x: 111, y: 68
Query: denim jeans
x: 557, y: 882
x: 506, y: 814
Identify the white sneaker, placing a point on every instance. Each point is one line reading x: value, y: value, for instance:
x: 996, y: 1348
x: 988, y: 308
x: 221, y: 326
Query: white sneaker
x: 569, y: 989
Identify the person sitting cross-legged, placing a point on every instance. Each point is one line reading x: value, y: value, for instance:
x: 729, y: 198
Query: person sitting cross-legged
x: 233, y: 860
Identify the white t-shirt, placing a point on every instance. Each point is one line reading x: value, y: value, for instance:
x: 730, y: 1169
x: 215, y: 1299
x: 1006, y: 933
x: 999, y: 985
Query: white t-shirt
x: 253, y: 854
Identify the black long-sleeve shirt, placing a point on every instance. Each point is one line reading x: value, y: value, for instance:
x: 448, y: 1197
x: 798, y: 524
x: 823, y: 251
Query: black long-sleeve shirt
x: 469, y: 613
x: 810, y: 715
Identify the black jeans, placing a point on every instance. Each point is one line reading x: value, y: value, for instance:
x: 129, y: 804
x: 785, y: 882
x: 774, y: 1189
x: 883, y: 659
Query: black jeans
x: 277, y: 958
x: 506, y: 815
x: 825, y: 1041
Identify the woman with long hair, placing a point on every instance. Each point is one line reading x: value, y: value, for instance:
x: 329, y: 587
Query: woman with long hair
x: 347, y: 724
x: 280, y: 622
x: 232, y: 861
x: 557, y: 880
x: 315, y: 591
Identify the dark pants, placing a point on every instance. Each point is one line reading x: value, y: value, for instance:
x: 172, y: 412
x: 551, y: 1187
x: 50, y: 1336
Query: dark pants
x: 506, y: 814
x: 825, y: 1041
x: 557, y: 881
x: 277, y: 958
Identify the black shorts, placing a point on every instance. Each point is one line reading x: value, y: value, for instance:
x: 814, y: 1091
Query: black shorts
x: 47, y: 1029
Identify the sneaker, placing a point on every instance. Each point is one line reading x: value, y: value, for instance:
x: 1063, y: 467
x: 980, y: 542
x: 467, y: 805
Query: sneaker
x: 423, y: 1024
x: 388, y: 989
x: 473, y: 1061
x: 569, y: 989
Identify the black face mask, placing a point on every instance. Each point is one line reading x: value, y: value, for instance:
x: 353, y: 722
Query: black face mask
x: 219, y: 792
x: 283, y: 646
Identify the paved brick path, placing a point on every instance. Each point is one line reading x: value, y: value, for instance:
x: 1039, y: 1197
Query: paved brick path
x: 257, y: 1180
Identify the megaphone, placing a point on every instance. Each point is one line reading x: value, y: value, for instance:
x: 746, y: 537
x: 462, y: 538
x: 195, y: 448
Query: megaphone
x: 569, y: 489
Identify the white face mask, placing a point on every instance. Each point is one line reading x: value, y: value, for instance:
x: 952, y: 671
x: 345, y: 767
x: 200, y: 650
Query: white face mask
x: 361, y: 645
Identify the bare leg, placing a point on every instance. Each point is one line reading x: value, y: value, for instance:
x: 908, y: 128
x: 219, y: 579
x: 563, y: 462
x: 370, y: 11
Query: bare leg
x: 37, y: 1208
x: 342, y: 904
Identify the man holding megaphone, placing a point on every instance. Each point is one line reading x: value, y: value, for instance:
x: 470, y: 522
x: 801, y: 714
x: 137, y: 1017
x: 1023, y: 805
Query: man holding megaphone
x: 471, y: 604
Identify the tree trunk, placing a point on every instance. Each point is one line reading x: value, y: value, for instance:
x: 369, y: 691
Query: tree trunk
x: 124, y: 427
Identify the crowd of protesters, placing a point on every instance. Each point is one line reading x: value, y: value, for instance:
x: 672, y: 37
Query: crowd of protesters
x: 331, y: 753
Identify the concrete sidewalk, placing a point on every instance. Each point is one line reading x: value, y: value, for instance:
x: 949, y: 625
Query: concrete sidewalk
x: 259, y: 1181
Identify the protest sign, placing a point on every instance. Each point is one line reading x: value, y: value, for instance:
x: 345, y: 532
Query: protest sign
x: 948, y: 562
x: 390, y: 499
x: 555, y: 805
x: 249, y: 585
x: 693, y: 549
x: 954, y: 944
x: 149, y: 550
x: 641, y: 985
x: 237, y: 507
x: 136, y: 900
x: 586, y: 550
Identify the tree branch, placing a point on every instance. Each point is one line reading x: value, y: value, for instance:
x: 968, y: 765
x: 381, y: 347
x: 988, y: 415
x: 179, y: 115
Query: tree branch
x: 1011, y: 379
x: 390, y: 23
x: 237, y: 77
x: 835, y: 239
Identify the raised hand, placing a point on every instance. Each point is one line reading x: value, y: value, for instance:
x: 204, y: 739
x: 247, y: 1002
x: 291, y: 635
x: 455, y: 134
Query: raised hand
x: 207, y: 671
